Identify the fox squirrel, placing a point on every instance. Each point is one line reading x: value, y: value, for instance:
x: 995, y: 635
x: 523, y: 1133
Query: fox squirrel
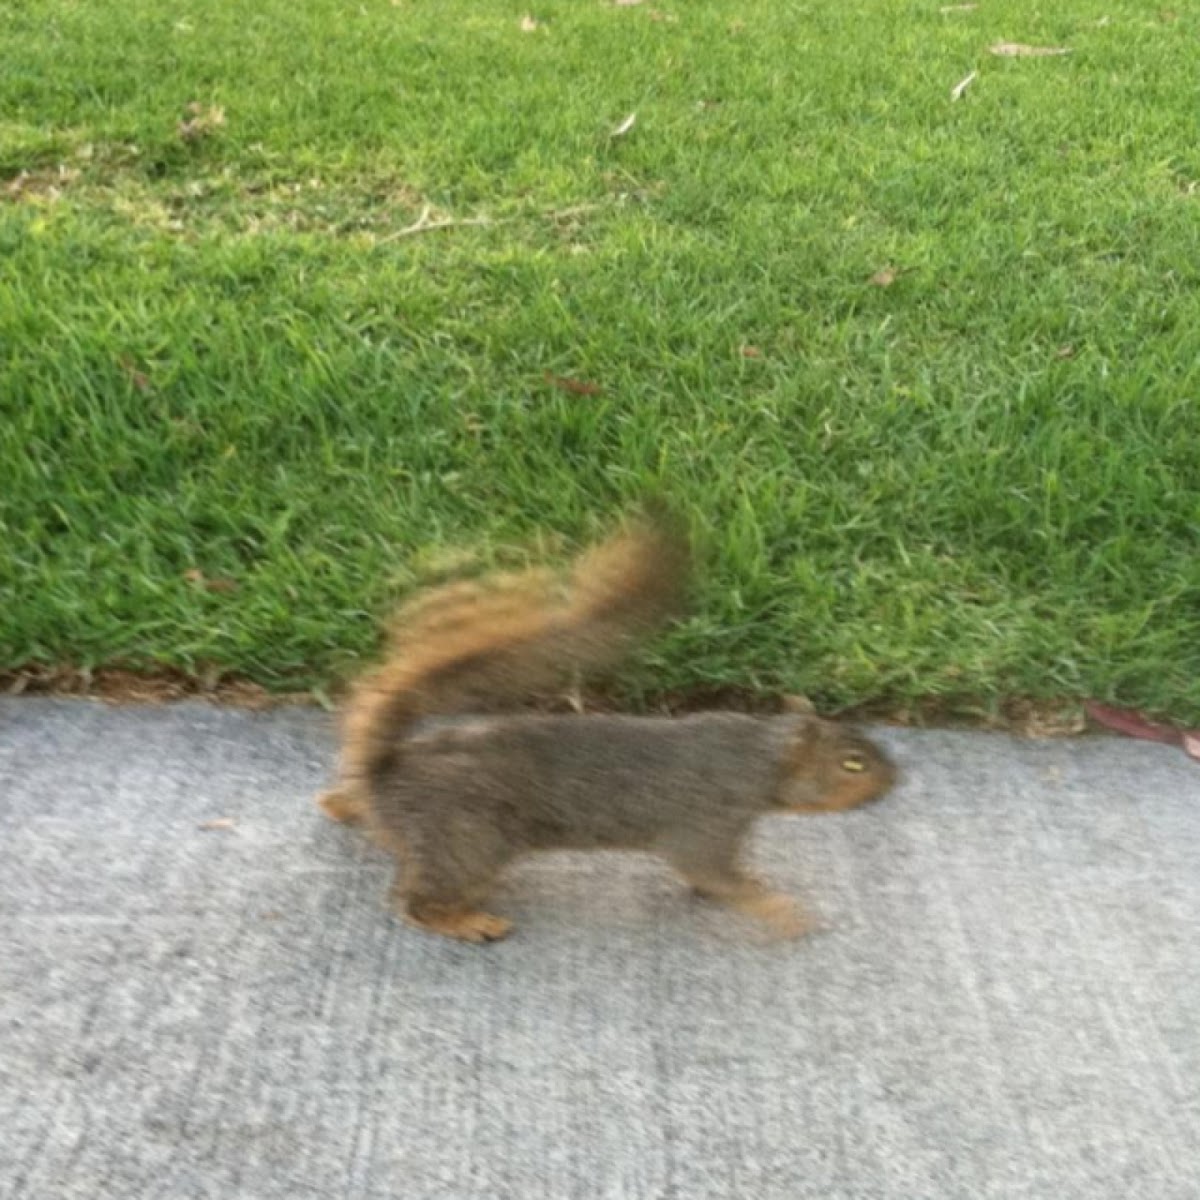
x: 456, y: 793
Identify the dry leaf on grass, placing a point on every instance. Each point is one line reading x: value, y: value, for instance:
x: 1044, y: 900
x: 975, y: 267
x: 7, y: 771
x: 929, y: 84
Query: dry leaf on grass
x: 217, y: 823
x: 962, y: 85
x: 139, y: 379
x: 1067, y: 351
x: 625, y: 126
x: 884, y: 278
x: 577, y: 387
x: 528, y: 24
x: 200, y: 121
x: 626, y: 3
x: 953, y: 8
x: 751, y: 352
x: 196, y: 576
x: 1020, y: 50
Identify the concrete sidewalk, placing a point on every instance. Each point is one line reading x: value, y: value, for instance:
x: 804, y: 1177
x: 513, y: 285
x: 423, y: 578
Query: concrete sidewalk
x: 1006, y: 1002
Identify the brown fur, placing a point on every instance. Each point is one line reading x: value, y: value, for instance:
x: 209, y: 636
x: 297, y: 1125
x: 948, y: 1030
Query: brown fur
x: 456, y: 793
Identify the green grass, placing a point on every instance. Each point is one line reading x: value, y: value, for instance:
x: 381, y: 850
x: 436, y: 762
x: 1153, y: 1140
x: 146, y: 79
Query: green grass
x: 980, y: 481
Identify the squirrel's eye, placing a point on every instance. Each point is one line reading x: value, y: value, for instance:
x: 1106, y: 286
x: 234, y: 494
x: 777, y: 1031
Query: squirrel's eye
x: 853, y: 763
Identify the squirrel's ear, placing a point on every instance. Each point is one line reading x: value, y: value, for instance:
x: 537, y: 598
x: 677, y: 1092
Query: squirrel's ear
x: 807, y: 739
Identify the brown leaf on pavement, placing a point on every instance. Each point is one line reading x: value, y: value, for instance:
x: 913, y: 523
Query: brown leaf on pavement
x: 1132, y: 723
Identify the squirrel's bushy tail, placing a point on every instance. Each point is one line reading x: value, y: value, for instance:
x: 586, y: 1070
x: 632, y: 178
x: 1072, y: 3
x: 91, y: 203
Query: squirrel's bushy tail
x: 480, y: 647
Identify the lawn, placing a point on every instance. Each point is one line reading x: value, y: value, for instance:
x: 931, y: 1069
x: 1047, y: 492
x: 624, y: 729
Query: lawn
x: 924, y: 372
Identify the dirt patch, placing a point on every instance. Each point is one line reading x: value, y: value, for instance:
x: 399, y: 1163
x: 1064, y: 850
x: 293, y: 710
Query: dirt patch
x: 122, y: 685
x: 41, y: 185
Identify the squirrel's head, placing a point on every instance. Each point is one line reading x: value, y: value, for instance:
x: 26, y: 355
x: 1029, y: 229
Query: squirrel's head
x: 831, y: 766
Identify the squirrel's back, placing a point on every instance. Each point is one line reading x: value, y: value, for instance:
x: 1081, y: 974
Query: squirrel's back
x: 602, y: 781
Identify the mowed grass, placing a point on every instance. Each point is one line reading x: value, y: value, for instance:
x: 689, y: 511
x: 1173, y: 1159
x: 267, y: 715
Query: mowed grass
x: 924, y: 374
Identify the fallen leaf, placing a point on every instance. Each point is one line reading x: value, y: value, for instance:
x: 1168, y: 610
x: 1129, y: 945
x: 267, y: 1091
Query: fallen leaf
x: 1020, y: 50
x: 139, y: 379
x: 1067, y: 351
x: 626, y: 3
x: 884, y: 278
x: 577, y: 387
x: 1131, y: 723
x: 1191, y: 744
x: 200, y: 122
x: 751, y: 352
x: 528, y: 24
x: 953, y: 8
x: 196, y: 576
x: 218, y: 823
x: 625, y: 126
x: 962, y: 85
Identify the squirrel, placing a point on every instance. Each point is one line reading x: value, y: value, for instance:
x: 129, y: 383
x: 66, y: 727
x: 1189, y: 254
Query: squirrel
x: 452, y: 778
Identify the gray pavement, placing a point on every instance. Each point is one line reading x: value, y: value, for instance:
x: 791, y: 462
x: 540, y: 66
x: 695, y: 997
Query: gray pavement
x: 1006, y: 1002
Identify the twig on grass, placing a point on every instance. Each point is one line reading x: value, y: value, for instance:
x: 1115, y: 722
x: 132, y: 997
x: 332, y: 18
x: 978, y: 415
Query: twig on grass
x: 424, y: 225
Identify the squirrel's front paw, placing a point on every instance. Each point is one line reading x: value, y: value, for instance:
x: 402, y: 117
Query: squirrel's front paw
x: 467, y: 925
x: 781, y: 914
x: 343, y: 805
